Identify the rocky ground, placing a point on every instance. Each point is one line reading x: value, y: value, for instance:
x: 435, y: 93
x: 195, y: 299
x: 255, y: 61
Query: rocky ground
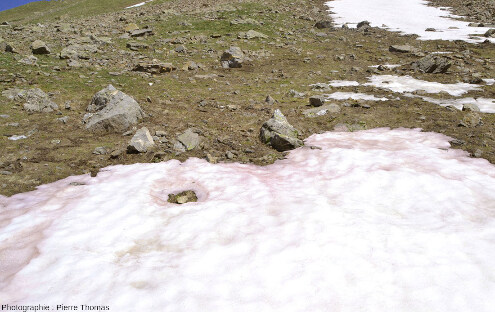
x: 201, y: 78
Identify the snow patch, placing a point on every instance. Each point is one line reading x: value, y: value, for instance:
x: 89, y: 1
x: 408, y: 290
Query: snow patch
x: 138, y: 5
x: 377, y: 220
x: 408, y: 17
x: 409, y: 84
x: 354, y: 96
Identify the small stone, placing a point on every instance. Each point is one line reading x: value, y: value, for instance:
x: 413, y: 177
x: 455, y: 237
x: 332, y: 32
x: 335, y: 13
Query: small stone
x: 140, y: 142
x: 183, y: 197
x: 100, y: 150
x: 317, y: 100
x: 269, y: 100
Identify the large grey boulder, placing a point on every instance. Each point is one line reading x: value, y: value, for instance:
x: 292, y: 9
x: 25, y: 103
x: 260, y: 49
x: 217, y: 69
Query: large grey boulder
x: 141, y: 141
x: 35, y: 100
x: 403, y: 49
x: 432, y: 64
x: 39, y: 47
x: 111, y: 110
x: 232, y: 58
x: 278, y: 133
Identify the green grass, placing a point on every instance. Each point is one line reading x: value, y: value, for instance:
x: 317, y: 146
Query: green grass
x: 46, y: 11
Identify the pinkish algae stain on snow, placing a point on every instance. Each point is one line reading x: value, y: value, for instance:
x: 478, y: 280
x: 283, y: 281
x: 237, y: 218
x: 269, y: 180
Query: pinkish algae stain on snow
x: 377, y: 220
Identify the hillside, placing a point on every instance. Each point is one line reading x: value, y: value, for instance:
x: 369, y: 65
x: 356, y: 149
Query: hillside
x: 171, y: 66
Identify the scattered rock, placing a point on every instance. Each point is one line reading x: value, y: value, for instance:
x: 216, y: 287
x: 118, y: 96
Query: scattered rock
x: 35, y: 100
x: 29, y: 60
x: 39, y: 47
x: 251, y: 34
x: 470, y: 107
x: 490, y: 33
x: 269, y: 100
x: 190, y: 65
x: 131, y: 27
x: 142, y: 32
x: 112, y: 110
x: 363, y: 24
x: 322, y: 110
x: 471, y: 120
x: 140, y: 142
x: 189, y: 139
x: 182, y: 197
x: 136, y: 46
x: 317, y: 100
x: 403, y: 49
x: 154, y: 68
x: 278, y: 133
x: 432, y: 64
x: 323, y: 24
x: 232, y: 58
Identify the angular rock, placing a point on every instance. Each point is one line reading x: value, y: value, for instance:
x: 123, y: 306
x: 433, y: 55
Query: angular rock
x: 35, y: 100
x: 111, y: 110
x: 322, y: 110
x: 182, y: 197
x: 470, y: 107
x: 278, y: 133
x: 154, y: 68
x: 29, y: 60
x: 142, y: 32
x: 140, y: 142
x: 6, y: 47
x: 403, y: 49
x: 432, y: 64
x: 269, y: 100
x: 190, y: 65
x: 189, y: 139
x: 39, y: 47
x: 363, y: 24
x: 232, y: 58
x: 131, y: 27
x: 251, y: 34
x: 317, y: 100
x: 136, y: 46
x: 74, y: 52
x: 323, y: 24
x: 471, y: 120
x: 490, y: 33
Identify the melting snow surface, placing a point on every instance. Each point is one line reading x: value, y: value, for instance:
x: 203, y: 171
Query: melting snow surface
x: 406, y: 16
x: 410, y: 84
x: 377, y: 220
x: 354, y: 96
x: 485, y: 105
x: 343, y: 83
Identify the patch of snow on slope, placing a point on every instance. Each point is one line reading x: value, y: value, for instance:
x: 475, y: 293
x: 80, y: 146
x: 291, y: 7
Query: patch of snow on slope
x: 138, y: 5
x: 485, y: 105
x: 377, y: 220
x: 410, y: 84
x: 354, y: 96
x: 406, y: 16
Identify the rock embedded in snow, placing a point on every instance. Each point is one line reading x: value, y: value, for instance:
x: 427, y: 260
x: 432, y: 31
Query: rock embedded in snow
x: 490, y: 33
x: 323, y: 24
x: 432, y: 64
x: 35, y: 100
x: 363, y: 24
x: 470, y: 107
x: 278, y: 133
x: 111, y: 110
x: 39, y: 47
x: 141, y: 141
x: 183, y: 197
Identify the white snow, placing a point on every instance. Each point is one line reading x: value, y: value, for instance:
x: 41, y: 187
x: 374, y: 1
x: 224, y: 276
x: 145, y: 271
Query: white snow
x: 17, y: 137
x: 138, y: 4
x: 406, y: 16
x: 489, y: 82
x: 409, y: 84
x: 485, y: 105
x: 343, y: 83
x: 354, y: 96
x: 377, y: 220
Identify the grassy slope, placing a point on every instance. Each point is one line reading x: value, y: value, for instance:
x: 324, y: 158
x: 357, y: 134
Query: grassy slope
x: 44, y: 11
